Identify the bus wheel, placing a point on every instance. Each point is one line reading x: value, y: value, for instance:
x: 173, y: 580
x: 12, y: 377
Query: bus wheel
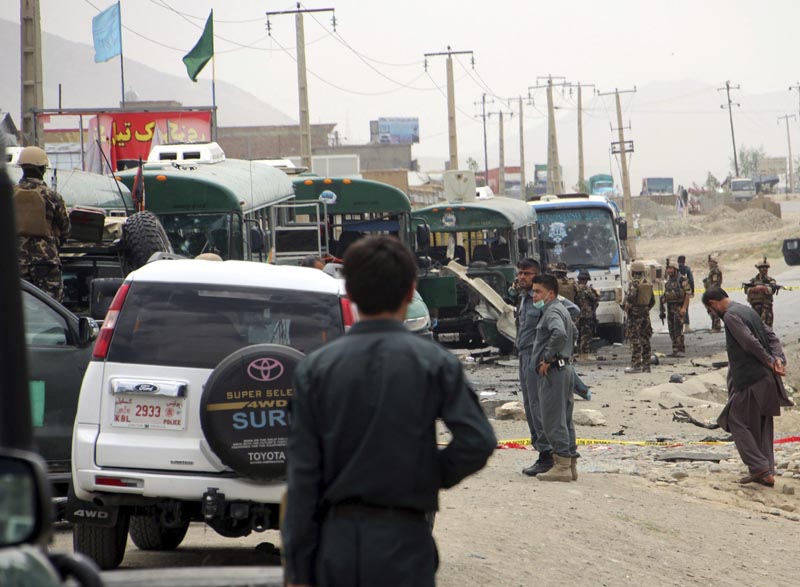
x: 143, y: 235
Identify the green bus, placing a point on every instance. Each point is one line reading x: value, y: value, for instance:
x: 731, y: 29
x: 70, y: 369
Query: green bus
x: 328, y: 214
x: 485, y: 239
x: 221, y: 208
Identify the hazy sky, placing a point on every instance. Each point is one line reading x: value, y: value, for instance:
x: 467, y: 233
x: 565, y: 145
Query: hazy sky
x: 614, y: 43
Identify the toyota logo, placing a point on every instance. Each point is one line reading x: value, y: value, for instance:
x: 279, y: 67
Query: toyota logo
x: 265, y: 369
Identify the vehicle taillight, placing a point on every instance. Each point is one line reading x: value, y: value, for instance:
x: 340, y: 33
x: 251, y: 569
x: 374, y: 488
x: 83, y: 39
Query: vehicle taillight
x: 107, y: 330
x: 348, y: 315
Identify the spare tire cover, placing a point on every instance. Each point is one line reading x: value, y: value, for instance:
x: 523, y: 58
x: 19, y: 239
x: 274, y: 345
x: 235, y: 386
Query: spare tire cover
x: 244, y: 409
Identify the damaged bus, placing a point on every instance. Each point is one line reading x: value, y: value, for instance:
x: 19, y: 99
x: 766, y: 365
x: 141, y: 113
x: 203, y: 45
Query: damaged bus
x: 469, y: 264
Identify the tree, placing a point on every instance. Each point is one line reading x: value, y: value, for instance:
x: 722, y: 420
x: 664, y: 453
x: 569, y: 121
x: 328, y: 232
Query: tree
x: 472, y: 165
x: 749, y: 160
x: 712, y: 183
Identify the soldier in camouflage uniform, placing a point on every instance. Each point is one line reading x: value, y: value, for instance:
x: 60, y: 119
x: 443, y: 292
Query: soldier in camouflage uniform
x: 639, y: 300
x: 713, y: 279
x: 676, y: 297
x: 39, y: 262
x: 760, y: 291
x: 567, y: 288
x: 587, y: 299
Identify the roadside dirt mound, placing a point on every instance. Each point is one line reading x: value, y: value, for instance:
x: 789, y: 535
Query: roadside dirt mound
x: 720, y: 220
x: 651, y: 210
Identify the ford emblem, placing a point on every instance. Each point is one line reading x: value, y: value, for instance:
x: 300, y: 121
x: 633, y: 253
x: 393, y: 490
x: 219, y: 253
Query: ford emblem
x: 146, y: 388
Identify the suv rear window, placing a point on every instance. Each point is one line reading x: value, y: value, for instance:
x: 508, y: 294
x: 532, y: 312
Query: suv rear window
x: 186, y: 325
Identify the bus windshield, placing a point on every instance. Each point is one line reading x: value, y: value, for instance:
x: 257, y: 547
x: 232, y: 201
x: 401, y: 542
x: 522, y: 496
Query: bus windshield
x: 580, y: 237
x: 194, y: 233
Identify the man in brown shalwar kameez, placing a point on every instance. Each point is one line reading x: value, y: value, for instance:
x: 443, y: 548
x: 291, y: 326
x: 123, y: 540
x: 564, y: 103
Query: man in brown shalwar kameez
x: 756, y: 364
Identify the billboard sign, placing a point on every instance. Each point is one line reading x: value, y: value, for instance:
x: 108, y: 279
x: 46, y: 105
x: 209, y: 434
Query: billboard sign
x: 772, y: 166
x: 398, y: 131
x: 127, y: 136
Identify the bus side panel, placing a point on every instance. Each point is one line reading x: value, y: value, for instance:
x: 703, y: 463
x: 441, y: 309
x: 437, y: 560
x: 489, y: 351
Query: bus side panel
x: 438, y: 291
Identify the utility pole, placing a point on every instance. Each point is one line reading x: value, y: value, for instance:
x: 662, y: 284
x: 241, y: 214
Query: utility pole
x: 728, y: 87
x: 501, y: 168
x: 451, y: 101
x: 581, y: 175
x: 522, y: 191
x: 485, y: 145
x: 302, y: 80
x: 786, y: 117
x: 31, y: 69
x: 555, y: 184
x: 623, y: 148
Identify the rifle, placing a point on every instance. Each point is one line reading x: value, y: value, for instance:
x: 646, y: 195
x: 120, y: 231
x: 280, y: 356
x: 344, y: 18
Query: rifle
x: 662, y: 311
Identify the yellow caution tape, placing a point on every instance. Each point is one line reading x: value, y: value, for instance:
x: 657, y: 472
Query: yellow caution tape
x: 602, y: 441
x: 701, y: 290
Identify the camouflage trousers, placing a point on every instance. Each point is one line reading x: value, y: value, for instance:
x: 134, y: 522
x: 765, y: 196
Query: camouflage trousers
x: 765, y: 311
x: 675, y: 324
x: 45, y: 276
x: 639, y: 331
x: 716, y: 323
x: 585, y: 333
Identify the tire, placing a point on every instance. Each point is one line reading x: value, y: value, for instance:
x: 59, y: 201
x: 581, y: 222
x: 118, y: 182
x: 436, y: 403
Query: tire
x: 148, y: 533
x: 105, y: 546
x: 143, y: 235
x: 615, y: 333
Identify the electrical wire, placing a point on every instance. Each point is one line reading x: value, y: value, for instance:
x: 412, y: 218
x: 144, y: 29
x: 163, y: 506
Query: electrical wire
x: 203, y: 18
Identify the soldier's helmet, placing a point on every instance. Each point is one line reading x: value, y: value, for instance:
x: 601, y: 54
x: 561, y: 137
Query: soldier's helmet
x: 638, y: 267
x: 712, y: 260
x: 762, y: 264
x: 33, y: 156
x: 583, y: 275
x: 561, y: 267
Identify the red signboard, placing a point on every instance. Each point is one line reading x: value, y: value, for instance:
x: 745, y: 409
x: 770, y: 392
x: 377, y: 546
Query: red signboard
x: 128, y: 136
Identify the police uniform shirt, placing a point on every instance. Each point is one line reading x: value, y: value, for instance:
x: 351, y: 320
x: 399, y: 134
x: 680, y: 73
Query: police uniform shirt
x: 363, y: 430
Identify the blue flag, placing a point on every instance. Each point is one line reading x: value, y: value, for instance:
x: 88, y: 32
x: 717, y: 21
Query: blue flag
x: 107, y: 34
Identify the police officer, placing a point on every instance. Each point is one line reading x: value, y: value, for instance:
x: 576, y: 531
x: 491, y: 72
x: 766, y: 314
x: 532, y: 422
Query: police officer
x: 676, y: 297
x: 760, y: 290
x: 567, y: 288
x: 364, y: 467
x: 587, y: 300
x: 639, y: 300
x: 42, y: 224
x: 713, y: 279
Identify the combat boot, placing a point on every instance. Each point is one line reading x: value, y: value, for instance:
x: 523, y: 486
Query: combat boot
x: 543, y: 464
x: 561, y: 471
x: 573, y: 466
x: 633, y: 370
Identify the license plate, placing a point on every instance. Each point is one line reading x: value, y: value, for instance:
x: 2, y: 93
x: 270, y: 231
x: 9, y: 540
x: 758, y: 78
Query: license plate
x: 449, y: 337
x: 149, y: 411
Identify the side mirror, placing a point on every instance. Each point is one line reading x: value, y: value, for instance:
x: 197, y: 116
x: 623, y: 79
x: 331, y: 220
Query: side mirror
x: 87, y: 330
x: 258, y: 241
x: 623, y: 229
x: 423, y: 236
x: 522, y: 245
x: 24, y: 498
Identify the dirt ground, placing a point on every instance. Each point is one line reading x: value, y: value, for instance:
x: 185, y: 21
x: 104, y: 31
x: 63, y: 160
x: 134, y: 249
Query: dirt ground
x: 632, y: 519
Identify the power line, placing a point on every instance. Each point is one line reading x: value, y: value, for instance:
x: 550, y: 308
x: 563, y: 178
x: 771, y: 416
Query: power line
x: 203, y: 18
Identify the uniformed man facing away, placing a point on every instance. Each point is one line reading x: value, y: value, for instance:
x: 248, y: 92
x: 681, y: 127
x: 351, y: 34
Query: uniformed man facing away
x: 587, y: 300
x: 567, y: 288
x: 713, y: 279
x: 676, y: 297
x: 686, y: 271
x: 364, y: 467
x: 760, y: 291
x: 42, y: 224
x: 639, y: 300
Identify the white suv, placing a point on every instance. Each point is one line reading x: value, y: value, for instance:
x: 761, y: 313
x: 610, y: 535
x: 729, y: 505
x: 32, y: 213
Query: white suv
x: 183, y: 412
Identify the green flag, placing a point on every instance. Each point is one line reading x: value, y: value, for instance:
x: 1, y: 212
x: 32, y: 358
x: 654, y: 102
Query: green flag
x: 196, y: 59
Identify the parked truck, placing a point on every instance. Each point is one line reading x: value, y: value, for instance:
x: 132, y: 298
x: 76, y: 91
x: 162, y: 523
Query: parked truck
x: 601, y: 184
x: 658, y: 186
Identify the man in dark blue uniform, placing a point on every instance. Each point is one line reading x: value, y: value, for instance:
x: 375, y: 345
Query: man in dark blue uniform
x: 364, y: 468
